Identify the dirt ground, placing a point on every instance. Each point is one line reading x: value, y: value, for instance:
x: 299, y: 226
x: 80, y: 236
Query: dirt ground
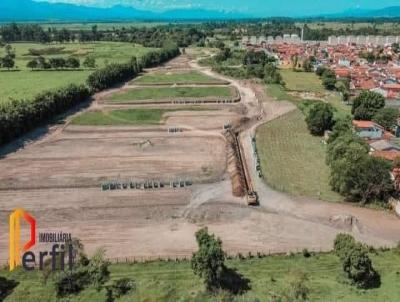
x: 57, y: 178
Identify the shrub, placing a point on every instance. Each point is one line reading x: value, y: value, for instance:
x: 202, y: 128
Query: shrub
x: 95, y: 273
x: 342, y: 244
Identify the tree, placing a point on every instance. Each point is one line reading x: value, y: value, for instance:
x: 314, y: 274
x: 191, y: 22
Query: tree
x: 367, y: 104
x: 320, y: 118
x: 72, y: 62
x: 272, y: 75
x: 329, y: 79
x: 342, y: 244
x: 386, y: 117
x: 342, y: 126
x: 57, y: 63
x: 208, y: 261
x: 358, y: 267
x: 33, y: 64
x: 89, y: 62
x: 8, y: 60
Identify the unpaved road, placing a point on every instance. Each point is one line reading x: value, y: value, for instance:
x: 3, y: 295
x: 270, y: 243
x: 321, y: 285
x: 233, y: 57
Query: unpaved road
x: 149, y: 224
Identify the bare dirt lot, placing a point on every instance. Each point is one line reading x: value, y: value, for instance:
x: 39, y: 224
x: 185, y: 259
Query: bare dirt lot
x: 57, y: 178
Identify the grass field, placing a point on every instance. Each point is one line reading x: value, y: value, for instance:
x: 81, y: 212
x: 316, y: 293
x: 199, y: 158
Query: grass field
x: 26, y: 83
x: 120, y: 117
x: 292, y: 160
x: 170, y: 92
x: 302, y: 81
x: 191, y: 77
x: 174, y: 281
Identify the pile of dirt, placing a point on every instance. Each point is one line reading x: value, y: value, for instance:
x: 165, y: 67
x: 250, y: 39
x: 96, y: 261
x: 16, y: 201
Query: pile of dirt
x: 238, y: 184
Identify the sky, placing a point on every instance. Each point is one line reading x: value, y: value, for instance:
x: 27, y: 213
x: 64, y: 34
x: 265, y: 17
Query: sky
x: 251, y: 7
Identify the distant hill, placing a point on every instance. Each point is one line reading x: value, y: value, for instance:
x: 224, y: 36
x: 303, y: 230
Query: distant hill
x: 28, y: 10
x: 388, y: 12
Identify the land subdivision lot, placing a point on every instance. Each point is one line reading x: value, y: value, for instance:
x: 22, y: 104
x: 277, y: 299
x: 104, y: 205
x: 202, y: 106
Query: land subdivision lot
x: 164, y: 93
x: 176, y: 77
x: 302, y: 81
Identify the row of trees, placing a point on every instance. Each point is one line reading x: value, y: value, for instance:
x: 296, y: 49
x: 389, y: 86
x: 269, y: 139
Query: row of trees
x: 115, y: 73
x: 183, y: 35
x: 20, y: 116
x: 54, y: 63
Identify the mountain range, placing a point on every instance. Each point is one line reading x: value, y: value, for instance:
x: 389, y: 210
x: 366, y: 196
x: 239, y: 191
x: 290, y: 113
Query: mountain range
x: 29, y: 10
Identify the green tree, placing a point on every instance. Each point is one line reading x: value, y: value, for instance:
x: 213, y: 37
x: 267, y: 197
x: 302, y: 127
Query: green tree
x: 33, y: 64
x: 57, y: 63
x: 89, y: 62
x: 342, y: 126
x: 329, y: 79
x: 272, y: 75
x: 386, y: 117
x: 358, y: 267
x: 367, y: 104
x: 7, y: 62
x: 320, y: 118
x: 72, y: 62
x: 208, y: 261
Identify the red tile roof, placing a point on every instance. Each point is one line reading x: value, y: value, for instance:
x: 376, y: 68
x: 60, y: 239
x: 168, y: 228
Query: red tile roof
x: 366, y: 124
x: 389, y: 155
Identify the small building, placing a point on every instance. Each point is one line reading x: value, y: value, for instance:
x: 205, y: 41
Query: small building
x: 383, y: 145
x: 368, y: 130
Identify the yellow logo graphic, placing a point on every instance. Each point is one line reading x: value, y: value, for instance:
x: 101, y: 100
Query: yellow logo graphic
x: 15, y: 236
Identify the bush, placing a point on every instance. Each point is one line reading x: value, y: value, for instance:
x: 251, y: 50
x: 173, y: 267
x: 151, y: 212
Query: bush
x: 119, y: 288
x: 359, y: 269
x: 320, y: 118
x: 95, y: 273
x: 342, y: 244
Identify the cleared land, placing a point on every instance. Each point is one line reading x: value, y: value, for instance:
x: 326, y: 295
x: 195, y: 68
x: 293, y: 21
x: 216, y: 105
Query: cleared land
x: 191, y: 77
x: 171, y: 281
x: 302, y: 81
x: 292, y: 160
x: 120, y: 117
x: 24, y: 83
x: 170, y: 92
